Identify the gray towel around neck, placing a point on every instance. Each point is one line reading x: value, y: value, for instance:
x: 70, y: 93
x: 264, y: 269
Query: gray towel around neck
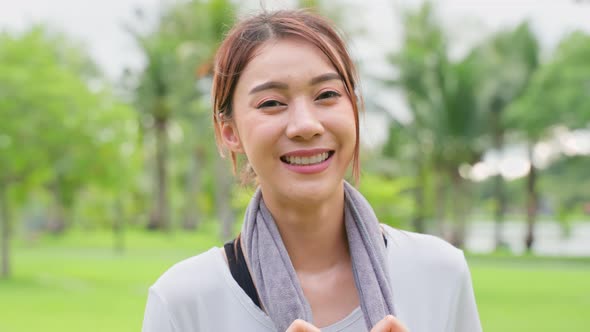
x: 275, y: 278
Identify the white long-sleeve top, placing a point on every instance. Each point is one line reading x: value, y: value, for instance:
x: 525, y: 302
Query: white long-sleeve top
x: 430, y: 281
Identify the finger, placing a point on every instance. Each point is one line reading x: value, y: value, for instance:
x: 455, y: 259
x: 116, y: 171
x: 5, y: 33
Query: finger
x: 389, y: 324
x: 300, y: 325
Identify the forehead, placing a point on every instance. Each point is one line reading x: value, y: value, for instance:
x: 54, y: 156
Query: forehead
x: 286, y: 58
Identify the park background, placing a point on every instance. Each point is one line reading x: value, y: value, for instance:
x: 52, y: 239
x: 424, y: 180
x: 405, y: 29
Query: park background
x: 477, y: 130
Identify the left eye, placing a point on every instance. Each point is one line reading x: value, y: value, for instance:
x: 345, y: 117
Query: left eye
x: 270, y: 104
x: 328, y: 94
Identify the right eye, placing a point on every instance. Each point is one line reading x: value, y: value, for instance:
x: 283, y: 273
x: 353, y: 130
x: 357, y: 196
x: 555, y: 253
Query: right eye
x: 270, y: 103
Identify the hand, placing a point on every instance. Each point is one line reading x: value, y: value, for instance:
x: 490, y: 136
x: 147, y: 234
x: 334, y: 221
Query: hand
x: 300, y: 325
x: 389, y: 324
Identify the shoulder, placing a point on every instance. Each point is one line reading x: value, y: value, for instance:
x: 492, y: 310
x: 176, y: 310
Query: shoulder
x: 192, y: 277
x: 423, y: 252
x: 430, y: 278
x: 196, y: 294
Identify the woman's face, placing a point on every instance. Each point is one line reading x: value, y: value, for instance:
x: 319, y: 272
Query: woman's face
x: 294, y: 121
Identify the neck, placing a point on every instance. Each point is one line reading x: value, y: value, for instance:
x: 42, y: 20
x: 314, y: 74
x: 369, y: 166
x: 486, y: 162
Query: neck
x: 313, y: 233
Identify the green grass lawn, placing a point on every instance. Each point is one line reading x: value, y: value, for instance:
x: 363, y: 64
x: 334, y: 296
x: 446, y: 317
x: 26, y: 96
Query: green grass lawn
x: 77, y: 283
x: 532, y: 294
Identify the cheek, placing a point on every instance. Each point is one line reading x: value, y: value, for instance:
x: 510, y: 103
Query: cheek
x: 346, y: 128
x: 345, y: 125
x: 258, y: 135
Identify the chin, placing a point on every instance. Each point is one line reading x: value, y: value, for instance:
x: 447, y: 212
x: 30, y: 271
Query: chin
x: 313, y: 191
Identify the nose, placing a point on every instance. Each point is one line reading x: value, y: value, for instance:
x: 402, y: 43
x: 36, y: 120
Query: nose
x: 303, y: 121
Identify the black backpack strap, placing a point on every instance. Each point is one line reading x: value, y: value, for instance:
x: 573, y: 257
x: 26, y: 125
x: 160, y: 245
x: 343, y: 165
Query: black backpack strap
x: 239, y: 269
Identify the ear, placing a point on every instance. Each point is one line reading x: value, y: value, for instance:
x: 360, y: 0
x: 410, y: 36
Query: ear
x: 230, y: 137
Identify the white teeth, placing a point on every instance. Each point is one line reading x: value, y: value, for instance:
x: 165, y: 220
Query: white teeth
x: 307, y: 160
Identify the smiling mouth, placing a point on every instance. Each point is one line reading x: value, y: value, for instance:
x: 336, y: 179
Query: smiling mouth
x: 308, y: 160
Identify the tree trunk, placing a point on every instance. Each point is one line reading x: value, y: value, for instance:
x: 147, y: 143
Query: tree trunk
x: 5, y: 230
x: 159, y: 217
x: 532, y: 201
x: 440, y: 205
x: 499, y: 191
x: 499, y: 211
x: 57, y: 215
x: 459, y: 210
x: 223, y: 187
x: 192, y: 213
x: 118, y: 226
x: 419, y: 188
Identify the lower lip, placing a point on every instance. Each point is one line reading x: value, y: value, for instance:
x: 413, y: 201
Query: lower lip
x: 309, y: 169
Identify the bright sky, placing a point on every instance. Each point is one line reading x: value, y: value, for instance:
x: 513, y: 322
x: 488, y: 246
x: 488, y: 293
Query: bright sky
x: 99, y: 24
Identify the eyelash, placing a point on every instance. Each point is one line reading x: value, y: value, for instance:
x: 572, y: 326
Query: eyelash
x: 275, y: 103
x: 328, y: 94
x: 270, y: 103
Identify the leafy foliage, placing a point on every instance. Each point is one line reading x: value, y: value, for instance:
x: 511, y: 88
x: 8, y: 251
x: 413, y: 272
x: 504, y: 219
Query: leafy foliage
x: 558, y: 92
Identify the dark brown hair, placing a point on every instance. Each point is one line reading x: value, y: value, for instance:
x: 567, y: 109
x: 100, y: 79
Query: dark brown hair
x: 237, y: 49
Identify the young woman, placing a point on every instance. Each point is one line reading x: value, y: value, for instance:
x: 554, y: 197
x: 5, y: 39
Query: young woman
x: 311, y: 254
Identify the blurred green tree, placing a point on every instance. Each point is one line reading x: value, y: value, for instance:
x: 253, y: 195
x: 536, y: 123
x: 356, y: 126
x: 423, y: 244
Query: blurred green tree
x: 423, y: 43
x: 557, y: 95
x: 58, y: 125
x: 448, y: 126
x: 566, y: 185
x: 505, y: 63
x: 171, y: 89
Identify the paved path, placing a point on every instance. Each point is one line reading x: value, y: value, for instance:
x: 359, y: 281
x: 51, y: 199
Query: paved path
x: 550, y: 239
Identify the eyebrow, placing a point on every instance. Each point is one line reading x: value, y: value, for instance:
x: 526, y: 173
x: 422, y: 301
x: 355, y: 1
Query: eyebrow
x: 268, y: 86
x: 325, y: 77
x: 283, y: 86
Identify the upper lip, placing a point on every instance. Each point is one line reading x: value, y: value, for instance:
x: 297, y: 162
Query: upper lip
x: 306, y: 152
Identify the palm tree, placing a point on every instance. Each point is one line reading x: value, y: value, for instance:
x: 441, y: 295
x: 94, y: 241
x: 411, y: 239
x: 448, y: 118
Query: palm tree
x: 423, y: 45
x: 152, y: 96
x: 506, y: 62
x: 447, y: 122
x: 557, y: 94
x: 184, y: 40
